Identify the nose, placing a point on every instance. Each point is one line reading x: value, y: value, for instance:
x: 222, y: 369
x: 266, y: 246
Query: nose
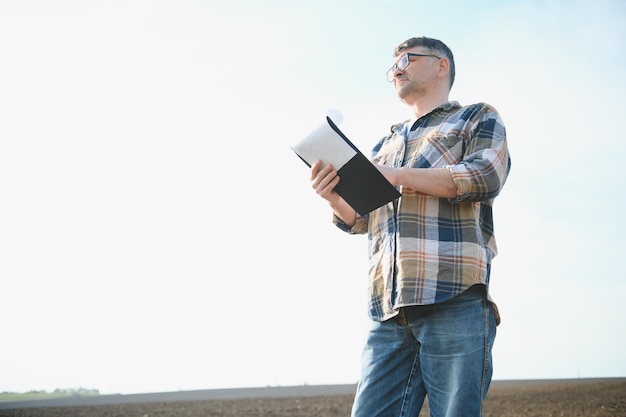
x: 397, y: 71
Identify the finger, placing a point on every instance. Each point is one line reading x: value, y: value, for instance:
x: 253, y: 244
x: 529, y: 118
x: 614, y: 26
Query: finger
x: 315, y: 169
x: 330, y: 187
x: 320, y: 175
x: 327, y: 186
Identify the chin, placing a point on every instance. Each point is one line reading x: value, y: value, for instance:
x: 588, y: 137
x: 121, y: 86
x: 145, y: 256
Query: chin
x: 403, y: 92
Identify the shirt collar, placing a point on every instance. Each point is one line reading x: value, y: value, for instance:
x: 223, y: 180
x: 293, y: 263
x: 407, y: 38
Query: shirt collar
x: 410, y: 122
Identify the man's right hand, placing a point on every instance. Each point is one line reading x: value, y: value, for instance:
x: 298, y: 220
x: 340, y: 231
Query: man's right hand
x: 324, y: 180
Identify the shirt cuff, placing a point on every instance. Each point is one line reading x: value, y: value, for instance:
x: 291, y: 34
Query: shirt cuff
x: 360, y: 226
x: 462, y: 180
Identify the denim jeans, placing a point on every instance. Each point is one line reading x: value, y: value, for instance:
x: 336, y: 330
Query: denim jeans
x: 441, y: 350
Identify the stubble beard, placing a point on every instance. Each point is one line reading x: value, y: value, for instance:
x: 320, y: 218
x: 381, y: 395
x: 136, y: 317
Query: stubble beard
x: 410, y: 89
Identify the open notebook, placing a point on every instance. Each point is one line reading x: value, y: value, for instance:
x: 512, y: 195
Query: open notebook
x: 361, y: 184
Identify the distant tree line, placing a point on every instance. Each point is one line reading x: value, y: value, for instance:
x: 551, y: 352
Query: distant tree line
x: 76, y: 391
x: 65, y: 392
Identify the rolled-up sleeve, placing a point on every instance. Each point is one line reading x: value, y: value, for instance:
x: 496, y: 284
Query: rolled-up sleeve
x: 482, y: 172
x: 360, y: 227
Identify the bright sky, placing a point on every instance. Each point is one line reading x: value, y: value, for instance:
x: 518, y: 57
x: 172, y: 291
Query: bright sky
x: 157, y: 233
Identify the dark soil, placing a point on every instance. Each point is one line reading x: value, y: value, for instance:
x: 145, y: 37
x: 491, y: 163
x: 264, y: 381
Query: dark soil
x: 573, y: 399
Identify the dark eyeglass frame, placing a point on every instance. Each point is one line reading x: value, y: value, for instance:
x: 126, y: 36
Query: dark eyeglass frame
x: 403, y: 63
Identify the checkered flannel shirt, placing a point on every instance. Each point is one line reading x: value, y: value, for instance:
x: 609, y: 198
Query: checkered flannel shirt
x: 423, y: 249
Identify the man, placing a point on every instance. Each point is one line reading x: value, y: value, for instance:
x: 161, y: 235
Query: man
x: 433, y: 322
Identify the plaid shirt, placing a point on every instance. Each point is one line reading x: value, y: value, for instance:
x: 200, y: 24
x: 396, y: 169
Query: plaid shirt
x: 423, y: 249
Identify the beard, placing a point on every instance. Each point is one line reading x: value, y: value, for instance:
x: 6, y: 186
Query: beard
x: 409, y: 88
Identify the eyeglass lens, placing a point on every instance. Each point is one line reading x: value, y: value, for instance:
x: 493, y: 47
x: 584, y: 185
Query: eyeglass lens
x: 402, y: 64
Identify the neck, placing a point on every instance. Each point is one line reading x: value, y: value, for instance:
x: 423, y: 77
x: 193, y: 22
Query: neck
x: 425, y: 105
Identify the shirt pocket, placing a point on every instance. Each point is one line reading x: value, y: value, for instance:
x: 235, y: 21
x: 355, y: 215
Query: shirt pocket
x: 438, y: 150
x: 390, y: 153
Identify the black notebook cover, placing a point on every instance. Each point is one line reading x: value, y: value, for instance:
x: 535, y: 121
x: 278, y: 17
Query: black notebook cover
x: 361, y: 184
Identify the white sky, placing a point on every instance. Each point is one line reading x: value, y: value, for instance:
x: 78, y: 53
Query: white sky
x: 157, y: 232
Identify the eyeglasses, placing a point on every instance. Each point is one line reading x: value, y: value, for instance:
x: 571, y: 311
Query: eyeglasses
x: 403, y: 64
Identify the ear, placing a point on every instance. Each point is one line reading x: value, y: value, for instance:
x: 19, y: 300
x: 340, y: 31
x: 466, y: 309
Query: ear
x: 444, y: 68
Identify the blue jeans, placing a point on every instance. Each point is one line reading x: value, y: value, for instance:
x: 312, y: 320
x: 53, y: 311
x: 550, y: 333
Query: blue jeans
x: 441, y: 350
